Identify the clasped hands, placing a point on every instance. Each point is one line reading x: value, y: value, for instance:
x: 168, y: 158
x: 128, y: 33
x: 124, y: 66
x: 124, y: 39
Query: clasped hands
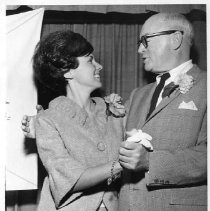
x: 134, y: 151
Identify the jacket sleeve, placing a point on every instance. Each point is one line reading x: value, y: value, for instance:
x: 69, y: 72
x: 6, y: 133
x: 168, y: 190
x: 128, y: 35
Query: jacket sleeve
x: 180, y: 167
x: 63, y: 170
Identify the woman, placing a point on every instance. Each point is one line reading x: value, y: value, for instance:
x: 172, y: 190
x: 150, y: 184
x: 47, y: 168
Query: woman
x: 77, y: 139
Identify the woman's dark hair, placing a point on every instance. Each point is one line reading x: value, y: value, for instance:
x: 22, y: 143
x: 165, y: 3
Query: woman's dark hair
x: 56, y: 54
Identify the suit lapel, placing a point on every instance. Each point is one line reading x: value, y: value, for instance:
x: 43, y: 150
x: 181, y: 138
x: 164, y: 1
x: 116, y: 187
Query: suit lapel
x: 144, y: 109
x: 163, y: 104
x: 139, y: 106
x: 194, y: 72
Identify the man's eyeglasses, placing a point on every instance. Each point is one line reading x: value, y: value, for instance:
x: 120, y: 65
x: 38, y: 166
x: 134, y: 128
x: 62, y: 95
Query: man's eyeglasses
x: 144, y: 38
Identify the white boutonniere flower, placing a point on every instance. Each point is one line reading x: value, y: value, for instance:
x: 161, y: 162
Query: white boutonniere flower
x: 138, y: 136
x: 114, y: 105
x: 185, y: 82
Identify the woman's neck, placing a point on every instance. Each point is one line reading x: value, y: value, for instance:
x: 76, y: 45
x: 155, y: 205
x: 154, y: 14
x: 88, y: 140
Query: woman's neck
x: 81, y: 96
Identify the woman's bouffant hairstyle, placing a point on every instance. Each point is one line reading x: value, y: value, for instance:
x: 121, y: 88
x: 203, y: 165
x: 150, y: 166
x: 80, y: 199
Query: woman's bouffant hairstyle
x: 55, y: 55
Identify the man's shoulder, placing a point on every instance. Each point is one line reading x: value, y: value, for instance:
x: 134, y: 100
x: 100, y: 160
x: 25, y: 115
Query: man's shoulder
x: 200, y: 77
x: 141, y: 93
x: 203, y: 78
x: 203, y: 75
x: 143, y: 89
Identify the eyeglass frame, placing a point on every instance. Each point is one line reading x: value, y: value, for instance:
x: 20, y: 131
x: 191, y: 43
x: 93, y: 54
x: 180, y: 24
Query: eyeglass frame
x: 144, y: 38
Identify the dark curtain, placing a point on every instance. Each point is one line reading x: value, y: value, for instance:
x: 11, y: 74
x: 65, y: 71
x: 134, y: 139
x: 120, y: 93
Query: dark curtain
x: 115, y: 47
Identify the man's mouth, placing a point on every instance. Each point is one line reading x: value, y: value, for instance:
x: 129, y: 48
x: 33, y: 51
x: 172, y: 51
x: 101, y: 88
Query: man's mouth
x: 97, y: 76
x: 145, y: 59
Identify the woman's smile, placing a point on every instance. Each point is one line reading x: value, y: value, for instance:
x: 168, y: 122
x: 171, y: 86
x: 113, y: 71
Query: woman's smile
x: 97, y: 76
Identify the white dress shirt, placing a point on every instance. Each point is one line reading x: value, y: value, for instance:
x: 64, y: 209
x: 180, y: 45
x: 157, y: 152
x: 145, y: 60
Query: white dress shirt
x: 181, y: 69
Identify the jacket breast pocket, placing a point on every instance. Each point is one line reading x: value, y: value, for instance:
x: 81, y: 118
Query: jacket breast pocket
x: 185, y: 112
x: 177, y: 127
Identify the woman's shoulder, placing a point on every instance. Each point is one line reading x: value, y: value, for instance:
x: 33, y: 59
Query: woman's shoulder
x: 59, y: 102
x: 99, y: 101
x: 57, y: 107
x: 111, y: 105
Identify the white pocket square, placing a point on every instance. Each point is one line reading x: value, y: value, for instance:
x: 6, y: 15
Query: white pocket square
x: 190, y: 105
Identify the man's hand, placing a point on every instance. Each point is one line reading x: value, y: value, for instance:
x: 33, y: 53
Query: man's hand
x: 27, y: 124
x: 139, y: 136
x: 133, y: 156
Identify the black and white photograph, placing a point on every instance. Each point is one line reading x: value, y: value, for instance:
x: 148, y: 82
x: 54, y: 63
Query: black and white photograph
x: 104, y: 106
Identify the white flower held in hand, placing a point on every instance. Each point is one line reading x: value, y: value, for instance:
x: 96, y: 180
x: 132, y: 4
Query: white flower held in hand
x: 141, y: 137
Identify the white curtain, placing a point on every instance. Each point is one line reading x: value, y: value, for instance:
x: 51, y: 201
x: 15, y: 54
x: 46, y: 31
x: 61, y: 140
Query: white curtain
x: 23, y: 33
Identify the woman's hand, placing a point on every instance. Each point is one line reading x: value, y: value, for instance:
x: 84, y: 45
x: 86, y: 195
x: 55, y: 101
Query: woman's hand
x: 27, y: 124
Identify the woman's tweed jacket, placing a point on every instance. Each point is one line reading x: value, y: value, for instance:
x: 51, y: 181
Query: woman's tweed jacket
x: 68, y: 142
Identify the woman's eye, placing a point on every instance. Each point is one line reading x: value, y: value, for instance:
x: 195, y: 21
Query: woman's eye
x: 90, y: 60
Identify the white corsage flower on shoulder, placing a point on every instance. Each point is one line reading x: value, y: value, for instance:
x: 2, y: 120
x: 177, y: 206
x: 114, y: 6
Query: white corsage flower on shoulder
x: 185, y: 82
x: 114, y: 105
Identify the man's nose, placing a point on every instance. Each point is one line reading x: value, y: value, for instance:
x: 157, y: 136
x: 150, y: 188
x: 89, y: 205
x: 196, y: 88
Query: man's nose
x: 141, y: 48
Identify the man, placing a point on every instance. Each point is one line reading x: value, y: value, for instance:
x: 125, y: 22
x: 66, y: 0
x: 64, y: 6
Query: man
x: 172, y: 176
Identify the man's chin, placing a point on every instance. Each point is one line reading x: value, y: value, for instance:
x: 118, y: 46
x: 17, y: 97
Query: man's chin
x: 148, y: 69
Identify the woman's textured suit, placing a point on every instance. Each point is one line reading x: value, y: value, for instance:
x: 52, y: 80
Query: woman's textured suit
x: 69, y: 141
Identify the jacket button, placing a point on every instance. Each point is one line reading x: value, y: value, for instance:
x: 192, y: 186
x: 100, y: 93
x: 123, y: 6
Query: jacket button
x: 156, y: 180
x: 101, y: 146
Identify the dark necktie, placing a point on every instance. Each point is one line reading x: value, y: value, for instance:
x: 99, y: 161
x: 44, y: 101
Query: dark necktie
x: 157, y: 91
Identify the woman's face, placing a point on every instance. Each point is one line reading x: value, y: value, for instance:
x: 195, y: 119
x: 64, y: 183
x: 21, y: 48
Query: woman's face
x: 88, y: 72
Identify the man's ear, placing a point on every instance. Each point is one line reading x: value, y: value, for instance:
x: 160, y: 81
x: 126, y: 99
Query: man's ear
x: 69, y: 74
x: 177, y: 39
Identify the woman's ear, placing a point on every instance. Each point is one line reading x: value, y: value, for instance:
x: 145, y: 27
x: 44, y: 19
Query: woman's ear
x: 69, y: 74
x: 177, y: 38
